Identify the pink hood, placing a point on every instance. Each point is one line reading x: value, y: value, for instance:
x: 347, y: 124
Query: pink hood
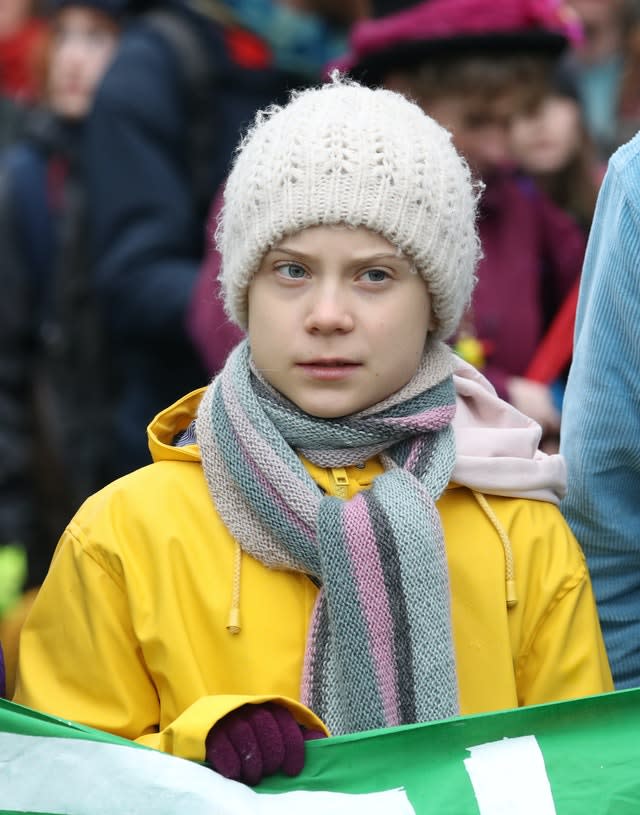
x: 497, y: 446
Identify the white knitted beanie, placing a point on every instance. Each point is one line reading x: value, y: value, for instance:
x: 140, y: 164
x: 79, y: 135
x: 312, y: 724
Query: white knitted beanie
x: 343, y: 153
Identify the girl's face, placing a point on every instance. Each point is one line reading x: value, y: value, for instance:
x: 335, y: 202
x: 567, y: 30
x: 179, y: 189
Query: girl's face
x: 480, y: 128
x: 84, y: 42
x: 546, y: 140
x: 337, y: 319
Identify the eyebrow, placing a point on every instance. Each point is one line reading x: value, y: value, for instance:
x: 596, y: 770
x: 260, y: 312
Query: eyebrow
x: 287, y: 250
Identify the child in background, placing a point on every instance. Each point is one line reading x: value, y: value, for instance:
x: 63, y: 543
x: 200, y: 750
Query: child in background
x: 552, y: 144
x: 53, y: 379
x: 347, y: 529
x: 23, y: 43
x: 606, y: 60
x: 474, y: 65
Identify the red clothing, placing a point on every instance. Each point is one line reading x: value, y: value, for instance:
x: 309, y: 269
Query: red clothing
x: 533, y: 253
x: 19, y: 56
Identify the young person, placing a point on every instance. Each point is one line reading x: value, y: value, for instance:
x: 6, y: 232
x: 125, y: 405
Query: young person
x: 474, y: 65
x: 552, y: 145
x: 188, y: 78
x: 554, y: 150
x: 23, y: 42
x: 54, y: 385
x: 606, y: 60
x: 326, y: 539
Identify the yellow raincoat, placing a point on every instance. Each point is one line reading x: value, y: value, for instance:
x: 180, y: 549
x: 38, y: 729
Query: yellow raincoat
x: 133, y: 629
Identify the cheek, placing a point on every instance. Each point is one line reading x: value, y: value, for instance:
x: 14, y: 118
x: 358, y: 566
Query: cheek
x: 263, y: 328
x: 403, y: 334
x: 418, y: 313
x: 97, y: 64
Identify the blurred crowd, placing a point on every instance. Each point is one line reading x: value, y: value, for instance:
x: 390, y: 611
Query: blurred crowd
x: 118, y: 121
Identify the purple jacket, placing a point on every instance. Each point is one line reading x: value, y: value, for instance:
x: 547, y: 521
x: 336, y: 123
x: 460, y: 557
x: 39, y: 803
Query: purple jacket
x: 533, y: 253
x: 211, y: 331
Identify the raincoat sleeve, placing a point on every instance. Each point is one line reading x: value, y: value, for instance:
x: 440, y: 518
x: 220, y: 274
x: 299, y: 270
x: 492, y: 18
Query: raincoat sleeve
x: 80, y: 659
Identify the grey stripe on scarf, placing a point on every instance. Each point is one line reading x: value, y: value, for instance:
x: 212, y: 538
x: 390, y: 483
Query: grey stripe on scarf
x: 380, y: 647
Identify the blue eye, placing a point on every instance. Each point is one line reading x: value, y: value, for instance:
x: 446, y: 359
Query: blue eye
x: 376, y: 275
x: 292, y: 271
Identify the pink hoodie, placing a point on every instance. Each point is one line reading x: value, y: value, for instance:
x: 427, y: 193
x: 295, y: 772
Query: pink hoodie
x: 497, y: 446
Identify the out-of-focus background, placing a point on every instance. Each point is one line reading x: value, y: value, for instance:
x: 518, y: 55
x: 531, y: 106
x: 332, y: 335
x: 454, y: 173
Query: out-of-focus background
x: 118, y: 122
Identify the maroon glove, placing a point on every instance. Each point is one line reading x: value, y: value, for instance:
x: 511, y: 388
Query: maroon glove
x: 257, y: 740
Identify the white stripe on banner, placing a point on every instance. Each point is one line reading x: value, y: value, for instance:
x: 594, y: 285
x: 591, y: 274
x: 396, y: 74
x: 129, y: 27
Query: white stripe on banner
x: 77, y: 777
x: 509, y: 778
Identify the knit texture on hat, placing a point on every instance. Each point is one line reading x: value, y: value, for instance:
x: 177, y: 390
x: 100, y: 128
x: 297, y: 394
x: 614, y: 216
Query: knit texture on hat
x: 346, y: 154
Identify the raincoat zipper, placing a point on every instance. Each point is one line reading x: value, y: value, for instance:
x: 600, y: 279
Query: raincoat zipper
x: 341, y: 482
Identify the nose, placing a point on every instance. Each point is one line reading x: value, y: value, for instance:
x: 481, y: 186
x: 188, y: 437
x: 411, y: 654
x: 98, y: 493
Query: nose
x: 496, y: 150
x: 329, y: 311
x: 73, y: 54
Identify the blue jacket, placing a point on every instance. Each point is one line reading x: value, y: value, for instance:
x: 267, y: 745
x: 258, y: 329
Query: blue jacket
x: 601, y: 413
x: 148, y: 229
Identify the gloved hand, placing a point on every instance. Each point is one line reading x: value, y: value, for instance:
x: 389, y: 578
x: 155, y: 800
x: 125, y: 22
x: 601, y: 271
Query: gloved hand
x: 257, y: 740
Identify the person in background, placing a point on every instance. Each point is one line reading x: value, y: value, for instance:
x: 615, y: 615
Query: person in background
x: 54, y: 391
x: 23, y: 44
x: 553, y: 146
x: 473, y: 65
x: 329, y: 539
x: 12, y: 118
x: 601, y: 418
x: 160, y: 140
x: 607, y: 64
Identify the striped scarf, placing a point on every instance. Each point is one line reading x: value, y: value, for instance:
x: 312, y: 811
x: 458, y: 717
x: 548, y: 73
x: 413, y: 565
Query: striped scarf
x: 379, y: 650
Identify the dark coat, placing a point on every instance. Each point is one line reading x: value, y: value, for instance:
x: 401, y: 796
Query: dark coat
x: 148, y: 223
x: 54, y: 404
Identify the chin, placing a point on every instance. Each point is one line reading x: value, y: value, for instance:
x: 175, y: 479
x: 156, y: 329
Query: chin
x: 324, y: 411
x: 333, y: 411
x: 318, y: 413
x: 74, y: 108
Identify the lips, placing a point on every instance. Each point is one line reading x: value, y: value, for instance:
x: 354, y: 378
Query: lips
x: 329, y: 369
x: 331, y: 362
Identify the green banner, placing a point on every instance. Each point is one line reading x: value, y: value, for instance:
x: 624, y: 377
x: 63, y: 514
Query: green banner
x: 590, y: 747
x: 591, y: 750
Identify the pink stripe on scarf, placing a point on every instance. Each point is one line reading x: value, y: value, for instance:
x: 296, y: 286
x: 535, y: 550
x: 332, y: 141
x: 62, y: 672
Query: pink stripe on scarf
x: 367, y: 570
x: 416, y: 449
x: 434, y: 419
